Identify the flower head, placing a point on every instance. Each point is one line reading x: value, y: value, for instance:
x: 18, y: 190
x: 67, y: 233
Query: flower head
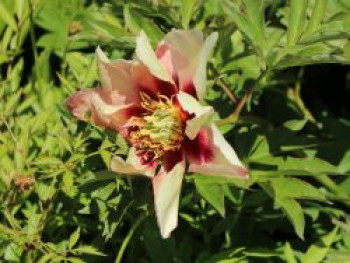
x: 154, y: 102
x: 159, y: 130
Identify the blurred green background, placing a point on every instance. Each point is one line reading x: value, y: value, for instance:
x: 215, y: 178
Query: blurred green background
x: 280, y: 80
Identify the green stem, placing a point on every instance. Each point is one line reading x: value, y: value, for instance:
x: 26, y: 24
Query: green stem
x: 222, y: 84
x: 129, y: 236
x: 298, y: 100
x: 233, y: 118
x: 9, y: 130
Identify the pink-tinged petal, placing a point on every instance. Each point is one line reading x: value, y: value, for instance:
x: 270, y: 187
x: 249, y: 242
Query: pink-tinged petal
x: 163, y: 54
x: 87, y: 103
x: 146, y: 54
x: 101, y: 107
x: 203, y: 115
x: 132, y: 165
x: 116, y: 76
x: 214, y: 155
x: 189, y: 56
x: 167, y: 188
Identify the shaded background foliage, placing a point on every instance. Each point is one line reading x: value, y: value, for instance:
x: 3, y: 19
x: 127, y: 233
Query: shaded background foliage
x: 280, y: 82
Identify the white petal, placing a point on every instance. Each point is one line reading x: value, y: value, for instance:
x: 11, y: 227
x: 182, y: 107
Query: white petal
x: 103, y: 107
x: 167, y: 188
x: 204, y: 115
x: 147, y: 56
x: 101, y: 55
x: 200, y: 77
x: 190, y: 56
x: 116, y: 76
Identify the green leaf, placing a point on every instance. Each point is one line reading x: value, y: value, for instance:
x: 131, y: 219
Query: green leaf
x: 273, y: 39
x: 73, y: 239
x: 292, y: 61
x: 22, y: 148
x: 47, y: 258
x: 291, y: 208
x: 90, y: 250
x: 250, y: 24
x: 13, y: 252
x: 53, y: 40
x: 294, y: 214
x: 297, y: 16
x: 212, y: 192
x: 47, y: 160
x: 317, y: 16
x: 260, y: 148
x: 323, y: 36
x: 295, y: 125
x: 68, y: 186
x: 44, y: 190
x: 289, y: 253
x: 255, y: 14
x: 75, y: 260
x: 187, y: 8
x: 33, y: 219
x: 317, y: 252
x: 136, y: 22
x: 295, y: 188
x: 12, y: 103
x: 7, y: 17
x: 297, y: 166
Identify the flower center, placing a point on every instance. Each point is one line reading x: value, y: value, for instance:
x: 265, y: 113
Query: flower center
x: 160, y: 129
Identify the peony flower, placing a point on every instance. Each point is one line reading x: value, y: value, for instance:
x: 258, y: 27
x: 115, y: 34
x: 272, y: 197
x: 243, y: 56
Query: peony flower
x: 154, y: 102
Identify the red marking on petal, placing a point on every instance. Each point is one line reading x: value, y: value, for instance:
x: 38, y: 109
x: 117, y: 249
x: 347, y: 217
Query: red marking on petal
x: 156, y: 87
x: 119, y: 121
x: 171, y: 158
x: 134, y: 110
x: 200, y: 149
x: 147, y: 159
x: 189, y: 88
x: 165, y: 88
x: 152, y: 86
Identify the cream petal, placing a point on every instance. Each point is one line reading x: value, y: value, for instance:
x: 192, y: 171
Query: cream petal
x: 203, y: 115
x: 167, y: 188
x: 200, y: 77
x: 132, y: 165
x: 117, y: 76
x: 146, y: 54
x: 190, y: 55
x: 101, y: 107
x: 223, y: 160
x: 163, y: 53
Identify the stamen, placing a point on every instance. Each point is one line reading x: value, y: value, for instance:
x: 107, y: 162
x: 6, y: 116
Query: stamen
x: 160, y: 129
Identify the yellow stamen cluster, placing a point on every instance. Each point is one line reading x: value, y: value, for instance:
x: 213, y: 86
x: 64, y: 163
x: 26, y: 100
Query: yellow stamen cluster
x: 160, y: 129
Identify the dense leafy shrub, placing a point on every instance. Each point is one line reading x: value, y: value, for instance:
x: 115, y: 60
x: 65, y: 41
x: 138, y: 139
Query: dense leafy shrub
x: 60, y: 202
